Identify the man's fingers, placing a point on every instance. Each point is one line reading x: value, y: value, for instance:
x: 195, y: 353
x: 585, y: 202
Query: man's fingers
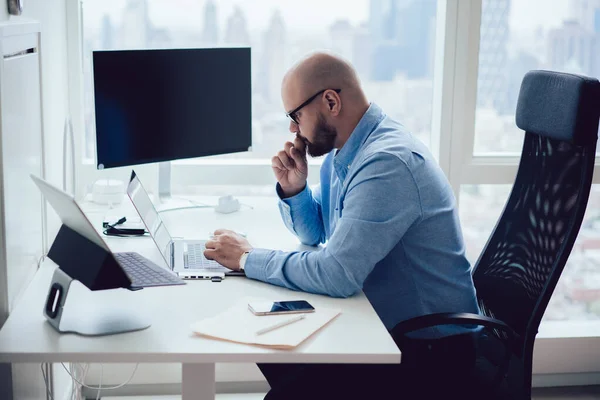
x: 298, y: 157
x: 287, y: 147
x: 221, y: 231
x: 300, y: 145
x: 276, y: 163
x: 211, y: 244
x: 285, y: 160
x: 210, y: 254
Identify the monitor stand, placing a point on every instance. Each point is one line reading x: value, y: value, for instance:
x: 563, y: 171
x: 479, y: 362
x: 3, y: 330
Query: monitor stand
x: 164, y: 191
x: 106, y: 317
x: 164, y: 182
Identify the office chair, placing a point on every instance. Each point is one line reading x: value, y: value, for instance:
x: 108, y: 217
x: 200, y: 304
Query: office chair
x: 522, y: 261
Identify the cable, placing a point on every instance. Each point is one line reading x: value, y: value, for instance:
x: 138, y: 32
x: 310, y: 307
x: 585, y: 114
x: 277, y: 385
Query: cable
x: 111, y: 230
x: 76, y: 393
x: 102, y: 377
x: 106, y: 388
x: 185, y: 208
x: 46, y: 383
x: 76, y: 389
x: 73, y: 387
x: 86, y: 369
x: 119, y: 222
x: 198, y: 206
x: 247, y: 205
x: 41, y: 260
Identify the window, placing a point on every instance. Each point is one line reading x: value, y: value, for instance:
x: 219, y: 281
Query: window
x: 518, y: 36
x: 396, y: 73
x: 577, y: 294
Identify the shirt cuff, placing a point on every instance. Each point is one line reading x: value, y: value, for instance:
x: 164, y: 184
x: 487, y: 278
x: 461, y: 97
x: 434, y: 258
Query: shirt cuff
x: 298, y: 199
x: 256, y: 264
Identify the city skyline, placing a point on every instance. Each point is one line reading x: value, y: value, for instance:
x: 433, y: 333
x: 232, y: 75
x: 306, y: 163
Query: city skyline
x: 525, y: 15
x: 394, y: 44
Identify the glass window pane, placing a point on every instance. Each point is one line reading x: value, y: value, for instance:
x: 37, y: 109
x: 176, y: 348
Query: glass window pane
x: 577, y: 294
x: 390, y: 42
x: 516, y: 37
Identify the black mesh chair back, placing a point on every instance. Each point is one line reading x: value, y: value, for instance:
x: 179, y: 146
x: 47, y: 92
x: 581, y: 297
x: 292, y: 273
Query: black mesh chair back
x: 522, y: 261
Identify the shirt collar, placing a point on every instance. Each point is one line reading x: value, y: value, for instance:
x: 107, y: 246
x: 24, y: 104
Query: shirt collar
x: 344, y: 157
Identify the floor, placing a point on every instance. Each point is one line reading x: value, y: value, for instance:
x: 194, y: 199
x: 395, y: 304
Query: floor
x: 566, y: 393
x: 250, y: 396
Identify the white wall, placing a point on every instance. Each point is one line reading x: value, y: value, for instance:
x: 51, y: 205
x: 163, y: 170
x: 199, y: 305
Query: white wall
x: 27, y: 381
x: 52, y: 15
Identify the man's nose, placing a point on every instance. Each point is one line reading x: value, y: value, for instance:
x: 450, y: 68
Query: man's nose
x: 294, y: 127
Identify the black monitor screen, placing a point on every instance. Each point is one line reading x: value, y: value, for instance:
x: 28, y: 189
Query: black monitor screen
x: 160, y: 105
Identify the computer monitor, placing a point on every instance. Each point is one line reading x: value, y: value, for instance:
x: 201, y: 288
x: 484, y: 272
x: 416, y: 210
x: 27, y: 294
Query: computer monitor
x: 162, y: 105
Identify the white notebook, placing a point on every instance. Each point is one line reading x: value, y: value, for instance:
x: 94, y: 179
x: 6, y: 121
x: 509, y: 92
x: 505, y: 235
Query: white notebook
x: 238, y: 324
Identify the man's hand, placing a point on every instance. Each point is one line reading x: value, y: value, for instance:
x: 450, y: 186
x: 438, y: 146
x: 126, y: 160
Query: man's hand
x: 290, y: 167
x: 226, y: 248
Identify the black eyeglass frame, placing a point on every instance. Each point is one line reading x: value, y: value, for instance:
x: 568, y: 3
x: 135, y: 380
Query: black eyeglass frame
x: 292, y: 114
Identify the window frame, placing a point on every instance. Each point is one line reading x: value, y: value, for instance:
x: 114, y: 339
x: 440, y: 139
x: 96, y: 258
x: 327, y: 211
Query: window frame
x: 567, y: 353
x: 560, y: 354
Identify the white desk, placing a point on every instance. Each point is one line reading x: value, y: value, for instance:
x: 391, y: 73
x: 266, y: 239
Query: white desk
x: 356, y: 336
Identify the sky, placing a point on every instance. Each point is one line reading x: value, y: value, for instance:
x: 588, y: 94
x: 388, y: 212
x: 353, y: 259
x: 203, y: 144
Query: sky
x: 526, y: 15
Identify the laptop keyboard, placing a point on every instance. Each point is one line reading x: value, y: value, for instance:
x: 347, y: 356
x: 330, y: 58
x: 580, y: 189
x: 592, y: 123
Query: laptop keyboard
x: 194, y: 258
x: 145, y: 273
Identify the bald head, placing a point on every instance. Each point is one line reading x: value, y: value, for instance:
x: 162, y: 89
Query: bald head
x: 320, y: 71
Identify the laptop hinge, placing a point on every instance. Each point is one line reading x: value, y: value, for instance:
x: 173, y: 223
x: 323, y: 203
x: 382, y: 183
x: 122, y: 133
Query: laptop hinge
x: 172, y: 244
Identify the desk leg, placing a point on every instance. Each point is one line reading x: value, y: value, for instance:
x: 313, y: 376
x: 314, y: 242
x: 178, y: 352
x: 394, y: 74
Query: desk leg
x: 198, y: 381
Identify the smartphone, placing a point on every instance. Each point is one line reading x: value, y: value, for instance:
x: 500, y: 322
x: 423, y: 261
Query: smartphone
x: 280, y: 307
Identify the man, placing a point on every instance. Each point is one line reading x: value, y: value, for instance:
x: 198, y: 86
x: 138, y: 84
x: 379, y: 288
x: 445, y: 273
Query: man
x: 383, y: 206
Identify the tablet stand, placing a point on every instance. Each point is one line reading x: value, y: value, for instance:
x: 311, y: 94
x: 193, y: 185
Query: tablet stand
x: 81, y: 259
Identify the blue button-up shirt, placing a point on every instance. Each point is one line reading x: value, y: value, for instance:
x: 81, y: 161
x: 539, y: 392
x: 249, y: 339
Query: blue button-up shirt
x: 388, y: 215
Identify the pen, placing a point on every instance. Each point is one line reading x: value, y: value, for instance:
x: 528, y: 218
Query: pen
x: 280, y: 324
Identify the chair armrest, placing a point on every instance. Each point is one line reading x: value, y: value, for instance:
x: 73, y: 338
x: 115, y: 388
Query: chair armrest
x: 427, y: 321
x: 430, y: 320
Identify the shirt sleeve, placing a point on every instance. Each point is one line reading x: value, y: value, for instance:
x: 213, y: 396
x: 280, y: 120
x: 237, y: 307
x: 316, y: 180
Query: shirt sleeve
x: 380, y: 205
x: 302, y: 215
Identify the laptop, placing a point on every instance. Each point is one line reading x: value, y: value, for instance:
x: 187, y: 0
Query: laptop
x: 183, y: 257
x: 141, y: 271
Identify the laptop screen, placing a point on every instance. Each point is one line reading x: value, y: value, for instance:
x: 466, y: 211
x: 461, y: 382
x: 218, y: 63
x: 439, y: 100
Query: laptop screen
x: 141, y: 201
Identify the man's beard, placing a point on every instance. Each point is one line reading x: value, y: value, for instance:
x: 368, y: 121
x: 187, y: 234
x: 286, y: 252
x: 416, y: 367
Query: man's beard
x: 324, y: 140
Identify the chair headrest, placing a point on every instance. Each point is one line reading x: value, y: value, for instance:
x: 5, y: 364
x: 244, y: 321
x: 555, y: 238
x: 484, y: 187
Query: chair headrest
x: 559, y: 106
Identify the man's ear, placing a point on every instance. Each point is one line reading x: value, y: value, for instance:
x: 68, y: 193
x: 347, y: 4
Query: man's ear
x: 333, y: 103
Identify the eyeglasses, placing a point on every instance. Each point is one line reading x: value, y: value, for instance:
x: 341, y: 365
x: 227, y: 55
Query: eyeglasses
x: 292, y: 114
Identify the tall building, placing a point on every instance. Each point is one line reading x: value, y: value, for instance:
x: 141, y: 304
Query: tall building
x: 273, y: 61
x: 416, y: 36
x: 137, y: 31
x: 237, y: 29
x: 210, y: 30
x: 377, y: 9
x: 107, y: 34
x: 518, y: 66
x: 362, y: 51
x: 573, y: 48
x: 383, y: 18
x: 136, y: 27
x: 341, y: 33
x: 493, y: 57
x: 587, y: 13
x: 403, y: 34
